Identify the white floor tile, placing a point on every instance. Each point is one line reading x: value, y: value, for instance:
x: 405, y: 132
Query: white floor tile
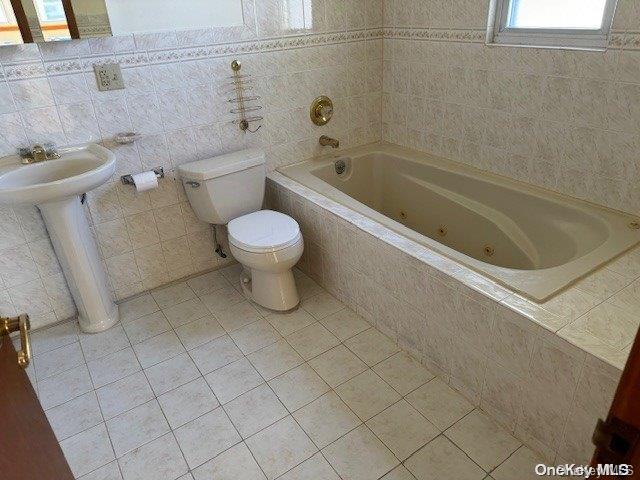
x: 171, y: 373
x: 146, y: 327
x: 124, y: 394
x: 371, y: 346
x: 442, y: 460
x: 337, y: 365
x: 185, y: 312
x: 326, y: 419
x: 439, y: 403
x: 315, y: 468
x: 159, y: 348
x: 313, y: 340
x: 255, y: 410
x: 187, y: 402
x: 402, y: 429
x: 110, y: 471
x: 199, y: 332
x: 306, y: 286
x: 289, y: 322
x: 280, y: 447
x: 367, y: 394
x: 345, y: 324
x: 215, y: 354
x: 321, y: 305
x: 399, y: 473
x: 222, y: 299
x: 208, y: 282
x: 237, y: 316
x: 185, y: 340
x: 88, y: 450
x: 233, y: 380
x: 113, y: 367
x: 205, y: 437
x: 63, y: 387
x: 275, y: 359
x: 254, y: 336
x: 48, y: 339
x: 486, y: 443
x: 520, y: 465
x: 237, y: 463
x: 76, y: 415
x: 172, y: 295
x: 403, y: 373
x: 137, y: 307
x: 97, y: 345
x: 58, y: 360
x: 359, y: 455
x: 298, y: 387
x: 160, y: 459
x: 136, y: 427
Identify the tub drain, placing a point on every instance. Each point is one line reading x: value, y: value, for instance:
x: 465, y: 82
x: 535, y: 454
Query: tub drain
x: 442, y: 230
x: 403, y: 214
x: 634, y: 225
x: 489, y: 251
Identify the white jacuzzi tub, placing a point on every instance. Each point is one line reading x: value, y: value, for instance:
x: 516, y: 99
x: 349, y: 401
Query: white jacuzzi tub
x: 529, y: 239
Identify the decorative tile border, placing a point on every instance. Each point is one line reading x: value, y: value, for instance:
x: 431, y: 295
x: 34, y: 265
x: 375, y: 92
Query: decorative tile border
x: 34, y: 69
x: 617, y: 40
x: 435, y: 34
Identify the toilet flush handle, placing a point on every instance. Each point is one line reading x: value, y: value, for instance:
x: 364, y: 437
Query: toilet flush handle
x: 193, y: 184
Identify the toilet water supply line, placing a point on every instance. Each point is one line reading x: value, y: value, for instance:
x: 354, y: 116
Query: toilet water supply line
x: 216, y: 245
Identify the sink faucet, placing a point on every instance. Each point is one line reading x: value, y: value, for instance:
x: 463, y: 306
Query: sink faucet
x: 38, y: 153
x: 329, y: 142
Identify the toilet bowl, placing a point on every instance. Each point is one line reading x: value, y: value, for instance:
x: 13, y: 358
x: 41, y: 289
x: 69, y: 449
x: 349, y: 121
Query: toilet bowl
x: 229, y: 190
x: 267, y: 244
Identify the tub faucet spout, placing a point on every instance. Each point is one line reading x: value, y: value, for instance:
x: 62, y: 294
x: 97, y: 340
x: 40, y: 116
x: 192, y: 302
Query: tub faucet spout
x: 329, y: 142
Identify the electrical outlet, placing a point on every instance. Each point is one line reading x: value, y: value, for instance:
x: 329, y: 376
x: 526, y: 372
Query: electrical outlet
x: 109, y: 77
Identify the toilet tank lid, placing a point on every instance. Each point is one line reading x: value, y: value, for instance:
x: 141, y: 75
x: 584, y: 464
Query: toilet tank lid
x: 221, y: 165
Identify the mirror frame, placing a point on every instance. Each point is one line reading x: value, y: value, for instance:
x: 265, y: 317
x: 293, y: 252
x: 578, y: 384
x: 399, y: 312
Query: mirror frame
x: 23, y: 21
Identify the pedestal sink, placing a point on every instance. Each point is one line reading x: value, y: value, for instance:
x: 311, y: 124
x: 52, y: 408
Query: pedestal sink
x: 55, y: 186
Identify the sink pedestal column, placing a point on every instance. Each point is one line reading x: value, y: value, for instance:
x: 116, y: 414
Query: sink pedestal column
x: 78, y: 255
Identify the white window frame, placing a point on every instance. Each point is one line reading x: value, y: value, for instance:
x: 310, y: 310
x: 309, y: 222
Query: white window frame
x: 498, y: 33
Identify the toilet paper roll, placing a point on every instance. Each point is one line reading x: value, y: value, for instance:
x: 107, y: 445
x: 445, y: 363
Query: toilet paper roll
x: 145, y: 181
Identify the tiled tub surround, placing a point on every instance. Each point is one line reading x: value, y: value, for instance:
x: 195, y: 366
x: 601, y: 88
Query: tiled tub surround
x: 176, y: 99
x: 197, y: 384
x: 545, y: 372
x: 565, y: 120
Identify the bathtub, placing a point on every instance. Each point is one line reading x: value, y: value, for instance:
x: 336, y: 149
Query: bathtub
x: 528, y: 239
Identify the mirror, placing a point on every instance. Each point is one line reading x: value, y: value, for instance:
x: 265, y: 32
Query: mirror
x: 26, y: 21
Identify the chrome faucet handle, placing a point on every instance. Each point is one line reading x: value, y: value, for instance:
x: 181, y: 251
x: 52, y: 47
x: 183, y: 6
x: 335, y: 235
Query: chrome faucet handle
x: 51, y: 151
x: 24, y: 152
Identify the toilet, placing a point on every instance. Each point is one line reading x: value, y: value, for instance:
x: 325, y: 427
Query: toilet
x: 229, y: 190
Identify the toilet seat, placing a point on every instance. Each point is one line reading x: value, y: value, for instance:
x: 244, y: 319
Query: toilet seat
x: 264, y: 231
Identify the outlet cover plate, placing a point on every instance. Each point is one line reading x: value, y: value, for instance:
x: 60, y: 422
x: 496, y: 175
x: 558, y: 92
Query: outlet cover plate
x: 109, y: 77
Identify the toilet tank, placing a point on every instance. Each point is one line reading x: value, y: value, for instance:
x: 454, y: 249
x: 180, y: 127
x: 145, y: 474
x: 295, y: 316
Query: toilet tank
x: 225, y: 187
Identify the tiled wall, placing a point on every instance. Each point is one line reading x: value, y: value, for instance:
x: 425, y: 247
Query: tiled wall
x: 565, y: 120
x: 543, y: 389
x: 175, y: 98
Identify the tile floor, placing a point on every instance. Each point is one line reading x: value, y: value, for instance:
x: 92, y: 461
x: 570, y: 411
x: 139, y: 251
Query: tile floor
x: 198, y: 383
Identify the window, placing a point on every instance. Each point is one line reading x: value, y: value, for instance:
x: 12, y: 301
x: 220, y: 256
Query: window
x: 552, y: 23
x: 50, y: 11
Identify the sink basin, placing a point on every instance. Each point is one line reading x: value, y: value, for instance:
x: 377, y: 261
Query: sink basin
x: 55, y: 186
x: 79, y: 170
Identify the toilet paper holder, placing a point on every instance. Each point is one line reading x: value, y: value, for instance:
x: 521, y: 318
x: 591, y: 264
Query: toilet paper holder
x: 128, y: 179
